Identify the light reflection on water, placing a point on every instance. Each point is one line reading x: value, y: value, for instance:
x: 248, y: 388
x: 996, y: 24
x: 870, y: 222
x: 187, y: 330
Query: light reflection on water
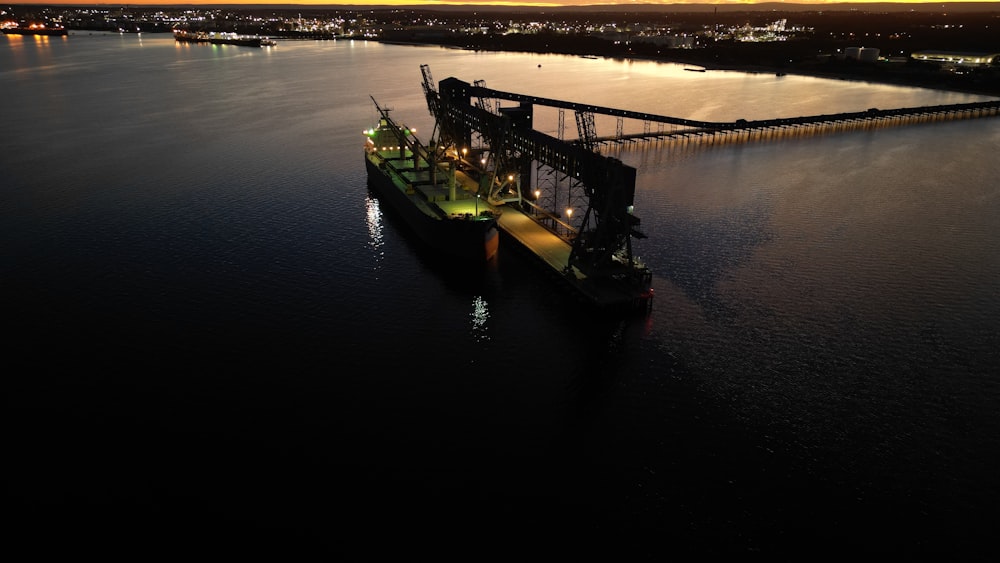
x: 480, y: 315
x: 374, y: 222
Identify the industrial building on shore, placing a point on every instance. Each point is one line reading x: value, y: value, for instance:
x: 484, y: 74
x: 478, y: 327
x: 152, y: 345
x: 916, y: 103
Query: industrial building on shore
x: 958, y: 58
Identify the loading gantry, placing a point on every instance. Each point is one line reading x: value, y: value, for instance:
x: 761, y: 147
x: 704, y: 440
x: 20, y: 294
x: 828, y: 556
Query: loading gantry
x: 508, y: 148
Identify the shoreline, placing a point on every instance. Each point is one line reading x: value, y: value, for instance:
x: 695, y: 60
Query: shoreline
x: 889, y: 79
x: 932, y: 80
x: 911, y: 73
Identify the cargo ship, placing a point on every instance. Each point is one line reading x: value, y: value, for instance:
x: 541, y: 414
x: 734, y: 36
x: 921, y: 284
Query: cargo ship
x: 35, y: 30
x: 438, y: 201
x: 221, y: 38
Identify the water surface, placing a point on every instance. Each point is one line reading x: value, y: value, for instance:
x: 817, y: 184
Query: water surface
x: 222, y: 338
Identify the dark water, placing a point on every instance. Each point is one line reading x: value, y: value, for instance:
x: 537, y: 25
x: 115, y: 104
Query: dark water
x: 219, y: 341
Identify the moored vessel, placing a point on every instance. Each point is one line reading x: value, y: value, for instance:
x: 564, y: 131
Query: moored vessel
x: 440, y: 204
x: 220, y: 38
x: 35, y: 30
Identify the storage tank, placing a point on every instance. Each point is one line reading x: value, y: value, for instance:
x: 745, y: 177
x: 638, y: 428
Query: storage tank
x: 868, y: 54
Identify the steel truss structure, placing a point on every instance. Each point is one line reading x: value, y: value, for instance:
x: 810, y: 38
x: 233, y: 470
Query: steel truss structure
x: 504, y: 148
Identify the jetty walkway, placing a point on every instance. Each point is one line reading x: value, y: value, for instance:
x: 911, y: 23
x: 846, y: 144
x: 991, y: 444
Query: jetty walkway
x: 742, y: 130
x: 664, y: 127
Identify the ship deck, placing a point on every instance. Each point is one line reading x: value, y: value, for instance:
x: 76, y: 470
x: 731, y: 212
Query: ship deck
x: 438, y: 189
x: 547, y: 248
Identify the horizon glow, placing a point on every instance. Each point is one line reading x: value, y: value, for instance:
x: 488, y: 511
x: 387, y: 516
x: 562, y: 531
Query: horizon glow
x: 494, y: 3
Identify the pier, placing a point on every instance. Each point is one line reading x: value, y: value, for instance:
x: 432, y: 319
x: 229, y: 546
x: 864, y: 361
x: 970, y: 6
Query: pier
x: 749, y: 131
x: 570, y: 206
x: 581, y: 230
x: 741, y: 129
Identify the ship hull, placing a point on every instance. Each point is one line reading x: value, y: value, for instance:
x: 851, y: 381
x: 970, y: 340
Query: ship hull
x: 25, y: 31
x: 251, y: 42
x: 185, y: 37
x: 474, y: 241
